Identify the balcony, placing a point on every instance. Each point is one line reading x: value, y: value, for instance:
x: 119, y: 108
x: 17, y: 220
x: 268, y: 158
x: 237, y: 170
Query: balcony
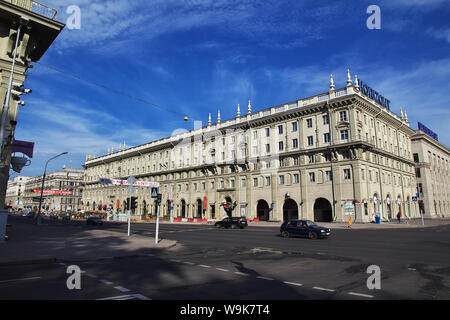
x: 35, y: 7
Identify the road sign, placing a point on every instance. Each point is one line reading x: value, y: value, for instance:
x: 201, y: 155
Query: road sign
x: 154, y: 193
x: 131, y: 180
x: 130, y: 190
x: 414, y: 198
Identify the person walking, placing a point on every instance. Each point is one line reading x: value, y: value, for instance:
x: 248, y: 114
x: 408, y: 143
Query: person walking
x: 398, y: 216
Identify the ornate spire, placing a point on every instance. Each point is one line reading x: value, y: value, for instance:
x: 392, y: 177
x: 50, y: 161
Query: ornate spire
x: 406, y: 116
x: 401, y: 113
x: 120, y: 146
x: 209, y: 120
x: 249, y: 107
x: 239, y: 111
x: 331, y: 82
x: 356, y: 82
x: 218, y: 116
x: 349, y: 78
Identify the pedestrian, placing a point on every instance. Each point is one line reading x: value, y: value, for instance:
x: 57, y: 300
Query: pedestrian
x: 349, y: 221
x: 398, y: 216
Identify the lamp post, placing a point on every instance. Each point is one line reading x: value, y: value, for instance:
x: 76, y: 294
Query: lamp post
x: 38, y: 218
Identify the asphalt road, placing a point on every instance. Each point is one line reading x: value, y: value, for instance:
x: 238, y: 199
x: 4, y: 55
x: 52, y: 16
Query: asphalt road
x: 253, y: 264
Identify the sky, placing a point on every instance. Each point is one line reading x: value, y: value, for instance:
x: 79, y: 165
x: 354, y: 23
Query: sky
x: 195, y: 57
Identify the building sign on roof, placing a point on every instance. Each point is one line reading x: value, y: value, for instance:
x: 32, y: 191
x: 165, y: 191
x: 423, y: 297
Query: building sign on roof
x: 428, y: 131
x: 372, y: 94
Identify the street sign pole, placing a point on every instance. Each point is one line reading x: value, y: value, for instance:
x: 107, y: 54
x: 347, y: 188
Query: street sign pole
x: 157, y: 223
x: 131, y: 180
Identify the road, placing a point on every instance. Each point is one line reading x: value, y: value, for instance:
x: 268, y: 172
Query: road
x: 253, y: 264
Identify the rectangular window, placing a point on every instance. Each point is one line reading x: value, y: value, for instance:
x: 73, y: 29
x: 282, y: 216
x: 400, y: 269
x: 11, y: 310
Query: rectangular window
x: 281, y: 180
x: 296, y: 178
x: 309, y: 123
x: 347, y: 175
x: 310, y: 141
x: 418, y: 173
x: 267, y: 132
x: 267, y: 148
x: 267, y: 181
x: 312, y: 177
x: 280, y: 146
x: 311, y: 159
x: 326, y: 137
x: 255, y: 182
x: 343, y: 115
x: 328, y: 175
x: 294, y: 127
x: 295, y: 143
x: 416, y: 157
x: 280, y: 129
x: 344, y: 135
x: 326, y: 119
x: 296, y: 161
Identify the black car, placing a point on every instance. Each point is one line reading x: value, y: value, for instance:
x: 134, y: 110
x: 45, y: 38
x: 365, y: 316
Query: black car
x: 94, y: 221
x: 303, y: 228
x: 233, y: 222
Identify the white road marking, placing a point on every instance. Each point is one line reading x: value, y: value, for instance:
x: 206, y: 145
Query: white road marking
x: 203, y: 266
x: 293, y: 283
x: 241, y: 273
x: 220, y: 269
x: 23, y: 279
x: 189, y: 263
x: 120, y: 288
x: 91, y: 276
x: 361, y: 295
x: 264, y: 278
x: 127, y: 297
x: 106, y: 282
x: 323, y: 289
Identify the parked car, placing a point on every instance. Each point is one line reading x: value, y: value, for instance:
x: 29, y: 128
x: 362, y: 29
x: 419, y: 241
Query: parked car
x: 94, y: 221
x: 303, y: 228
x: 233, y: 222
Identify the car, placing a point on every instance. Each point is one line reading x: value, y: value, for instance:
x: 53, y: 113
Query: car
x: 303, y: 228
x: 94, y: 221
x: 232, y: 222
x: 31, y: 214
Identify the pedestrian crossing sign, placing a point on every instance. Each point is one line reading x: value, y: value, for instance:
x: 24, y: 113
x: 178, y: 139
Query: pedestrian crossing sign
x: 154, y: 193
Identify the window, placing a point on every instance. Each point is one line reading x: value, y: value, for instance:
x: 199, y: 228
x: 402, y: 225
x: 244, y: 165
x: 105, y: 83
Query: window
x: 343, y: 115
x: 244, y: 183
x: 267, y: 132
x: 296, y: 178
x: 232, y: 184
x: 281, y: 180
x: 347, y: 175
x: 326, y: 119
x: 296, y: 161
x: 326, y: 137
x: 267, y: 148
x: 328, y: 175
x: 312, y: 177
x: 294, y: 127
x: 416, y: 157
x: 255, y: 135
x: 309, y: 123
x: 255, y: 182
x: 255, y: 150
x: 295, y: 143
x: 344, y: 135
x: 212, y: 185
x: 280, y: 129
x: 280, y: 146
x: 362, y: 174
x: 310, y: 141
x: 311, y: 158
x: 267, y: 181
x: 418, y: 175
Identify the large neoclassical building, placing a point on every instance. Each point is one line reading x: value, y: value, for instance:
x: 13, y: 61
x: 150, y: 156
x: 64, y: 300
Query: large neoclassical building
x: 319, y: 158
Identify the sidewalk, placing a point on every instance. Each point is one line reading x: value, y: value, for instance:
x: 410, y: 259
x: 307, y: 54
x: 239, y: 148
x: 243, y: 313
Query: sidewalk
x: 32, y: 244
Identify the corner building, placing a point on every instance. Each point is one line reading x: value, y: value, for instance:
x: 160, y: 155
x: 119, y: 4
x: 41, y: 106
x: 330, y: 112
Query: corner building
x: 315, y: 158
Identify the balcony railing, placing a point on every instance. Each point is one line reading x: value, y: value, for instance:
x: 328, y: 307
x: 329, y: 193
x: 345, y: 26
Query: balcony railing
x: 35, y: 7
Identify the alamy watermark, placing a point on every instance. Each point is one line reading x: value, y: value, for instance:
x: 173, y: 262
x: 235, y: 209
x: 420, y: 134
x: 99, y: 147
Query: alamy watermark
x: 374, y: 280
x: 74, y: 280
x: 73, y: 22
x: 374, y: 21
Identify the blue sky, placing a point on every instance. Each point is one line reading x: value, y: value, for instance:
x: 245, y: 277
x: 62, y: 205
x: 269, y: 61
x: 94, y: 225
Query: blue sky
x: 198, y: 56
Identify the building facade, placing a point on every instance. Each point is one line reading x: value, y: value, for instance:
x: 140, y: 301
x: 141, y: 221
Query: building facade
x: 15, y: 192
x: 432, y: 174
x: 318, y: 158
x: 62, y: 191
x: 33, y: 27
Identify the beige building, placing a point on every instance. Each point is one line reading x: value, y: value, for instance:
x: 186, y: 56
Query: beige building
x: 316, y: 158
x: 432, y: 174
x: 62, y: 191
x: 15, y: 191
x: 37, y: 28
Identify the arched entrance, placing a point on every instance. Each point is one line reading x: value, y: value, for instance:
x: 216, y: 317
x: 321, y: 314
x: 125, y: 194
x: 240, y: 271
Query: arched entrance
x: 262, y: 210
x: 323, y: 211
x: 290, y: 210
x: 199, y: 208
x: 183, y: 209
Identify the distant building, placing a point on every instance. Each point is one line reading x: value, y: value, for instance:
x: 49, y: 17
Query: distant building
x: 15, y: 191
x: 62, y: 191
x: 317, y: 158
x: 37, y: 27
x: 431, y: 160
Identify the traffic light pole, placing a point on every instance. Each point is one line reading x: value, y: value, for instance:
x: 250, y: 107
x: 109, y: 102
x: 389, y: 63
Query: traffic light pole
x: 157, y: 223
x: 129, y: 217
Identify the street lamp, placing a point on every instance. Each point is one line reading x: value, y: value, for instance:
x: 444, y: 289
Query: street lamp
x: 42, y: 189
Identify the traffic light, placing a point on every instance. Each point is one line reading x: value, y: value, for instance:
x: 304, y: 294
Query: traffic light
x: 158, y: 199
x: 133, y: 203
x: 128, y: 204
